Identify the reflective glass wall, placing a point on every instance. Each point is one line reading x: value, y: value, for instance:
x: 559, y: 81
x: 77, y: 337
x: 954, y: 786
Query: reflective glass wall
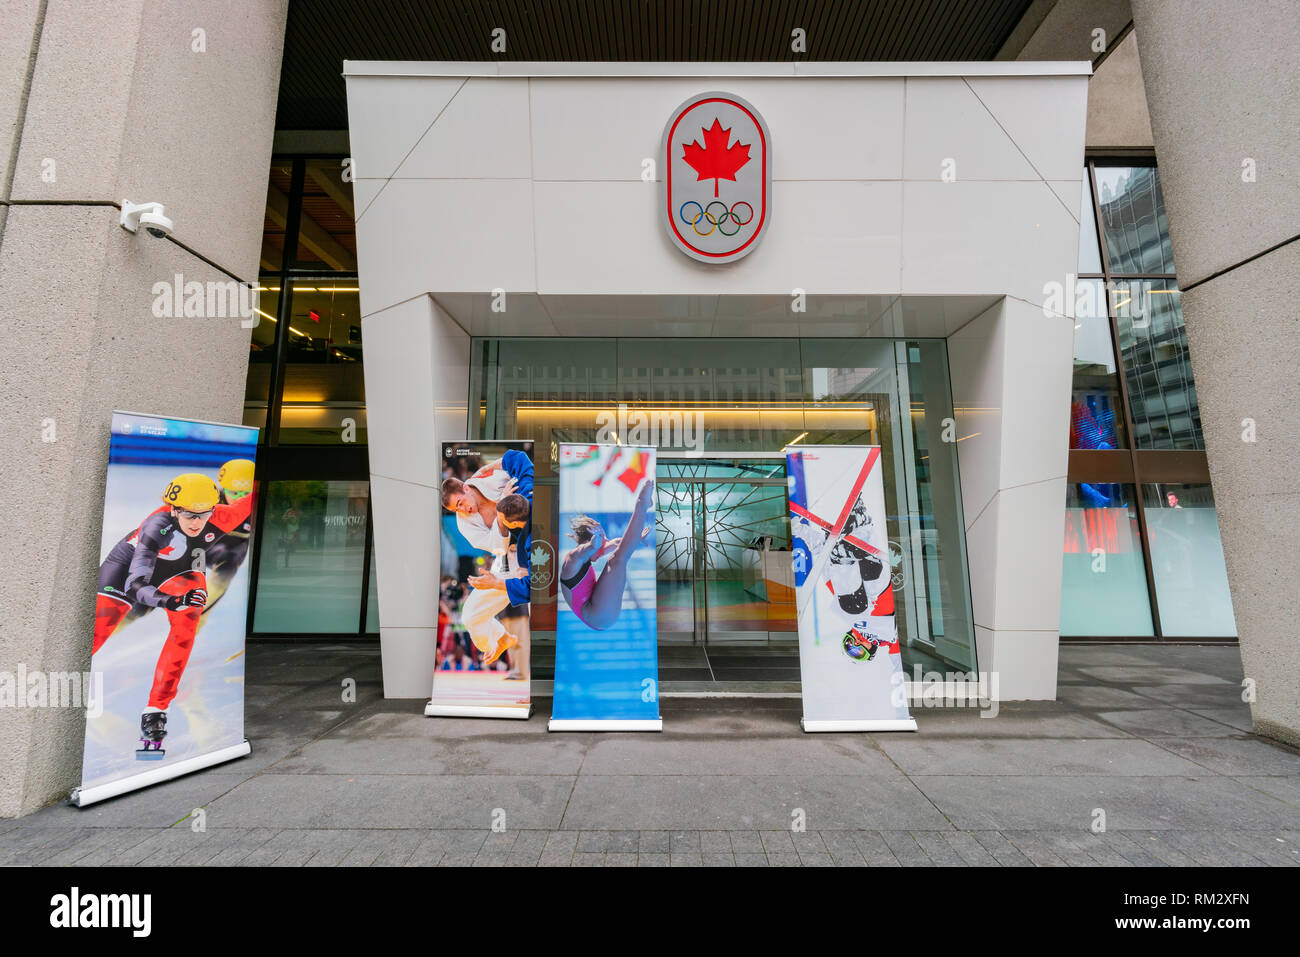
x: 1135, y: 432
x: 312, y: 568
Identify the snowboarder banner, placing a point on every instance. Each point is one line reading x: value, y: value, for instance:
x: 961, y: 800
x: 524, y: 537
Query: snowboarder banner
x: 850, y: 666
x: 171, y: 603
x: 606, y: 641
x: 482, y: 661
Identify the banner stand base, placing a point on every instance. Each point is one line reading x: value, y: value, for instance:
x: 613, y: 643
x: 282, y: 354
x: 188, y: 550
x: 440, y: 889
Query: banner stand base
x: 519, y: 712
x: 82, y: 796
x: 865, y: 724
x: 609, y: 724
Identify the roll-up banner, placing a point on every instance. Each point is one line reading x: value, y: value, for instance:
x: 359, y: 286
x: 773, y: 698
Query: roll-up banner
x: 481, y: 665
x: 849, y: 662
x: 606, y: 634
x: 171, y: 602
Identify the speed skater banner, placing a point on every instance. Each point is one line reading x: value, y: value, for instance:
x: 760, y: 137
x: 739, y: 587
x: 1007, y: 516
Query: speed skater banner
x: 606, y: 639
x: 171, y: 603
x: 482, y: 662
x: 851, y: 670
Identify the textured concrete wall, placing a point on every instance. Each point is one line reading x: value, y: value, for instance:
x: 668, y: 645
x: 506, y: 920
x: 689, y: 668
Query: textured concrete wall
x: 1223, y: 88
x: 1117, y: 103
x: 116, y: 101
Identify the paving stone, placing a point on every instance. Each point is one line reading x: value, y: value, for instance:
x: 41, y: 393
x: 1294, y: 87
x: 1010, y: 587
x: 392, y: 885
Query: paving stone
x: 718, y: 859
x: 750, y: 859
x: 655, y: 842
x: 937, y: 849
x: 972, y: 851
x: 782, y: 859
x: 906, y: 851
x: 620, y: 859
x: 777, y: 842
x: 685, y: 859
x: 623, y: 841
x: 715, y: 842
x: 684, y: 841
x: 652, y: 859
x: 875, y: 850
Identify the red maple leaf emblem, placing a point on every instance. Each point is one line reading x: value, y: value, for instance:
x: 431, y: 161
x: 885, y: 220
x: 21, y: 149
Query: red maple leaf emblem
x: 715, y: 160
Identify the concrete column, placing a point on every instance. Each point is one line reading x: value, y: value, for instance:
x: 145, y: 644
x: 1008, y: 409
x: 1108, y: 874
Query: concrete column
x: 152, y: 102
x: 1224, y: 97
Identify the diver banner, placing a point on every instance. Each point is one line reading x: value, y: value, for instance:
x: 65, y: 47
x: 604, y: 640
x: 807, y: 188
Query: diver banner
x: 481, y: 664
x: 849, y: 661
x: 606, y: 635
x: 171, y: 603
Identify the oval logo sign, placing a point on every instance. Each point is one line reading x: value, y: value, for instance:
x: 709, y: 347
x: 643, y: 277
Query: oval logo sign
x: 716, y: 156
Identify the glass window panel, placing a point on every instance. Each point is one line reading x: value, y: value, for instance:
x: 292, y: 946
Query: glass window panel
x: 744, y: 395
x: 1187, y: 562
x: 1133, y: 219
x: 372, y: 600
x: 1096, y: 412
x: 1153, y: 345
x: 261, y: 354
x: 277, y: 216
x: 1103, y: 580
x: 546, y: 390
x: 324, y: 386
x: 311, y: 557
x: 1089, y: 252
x: 327, y: 233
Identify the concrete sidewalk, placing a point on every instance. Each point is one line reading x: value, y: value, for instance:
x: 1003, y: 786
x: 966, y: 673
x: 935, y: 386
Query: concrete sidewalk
x: 1154, y: 736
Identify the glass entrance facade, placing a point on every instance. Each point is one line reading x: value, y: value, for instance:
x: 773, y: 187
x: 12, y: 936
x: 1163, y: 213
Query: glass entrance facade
x: 721, y: 412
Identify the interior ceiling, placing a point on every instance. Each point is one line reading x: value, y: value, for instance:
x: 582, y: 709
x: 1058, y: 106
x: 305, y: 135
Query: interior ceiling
x: 321, y: 34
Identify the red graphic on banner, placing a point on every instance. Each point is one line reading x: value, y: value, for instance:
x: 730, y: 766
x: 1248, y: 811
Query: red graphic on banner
x: 635, y: 473
x: 715, y: 160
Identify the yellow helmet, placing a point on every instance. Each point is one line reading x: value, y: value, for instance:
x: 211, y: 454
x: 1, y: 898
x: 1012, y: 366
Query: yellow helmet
x: 236, y: 476
x: 192, y: 491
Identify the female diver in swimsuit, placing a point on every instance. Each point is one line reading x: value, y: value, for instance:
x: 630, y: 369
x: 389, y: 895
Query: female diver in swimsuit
x: 598, y: 599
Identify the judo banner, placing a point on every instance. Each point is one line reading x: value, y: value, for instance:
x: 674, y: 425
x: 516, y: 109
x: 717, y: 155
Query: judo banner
x: 481, y: 664
x: 606, y: 630
x: 171, y: 603
x: 849, y: 661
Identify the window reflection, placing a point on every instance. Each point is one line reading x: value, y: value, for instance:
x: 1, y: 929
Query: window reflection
x: 1133, y: 220
x: 1157, y: 367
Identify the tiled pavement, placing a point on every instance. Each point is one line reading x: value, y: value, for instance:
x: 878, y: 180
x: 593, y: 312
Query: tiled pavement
x: 1154, y: 737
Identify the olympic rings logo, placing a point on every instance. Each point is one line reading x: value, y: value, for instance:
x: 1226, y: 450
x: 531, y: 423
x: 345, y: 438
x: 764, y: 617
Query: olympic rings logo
x: 720, y: 220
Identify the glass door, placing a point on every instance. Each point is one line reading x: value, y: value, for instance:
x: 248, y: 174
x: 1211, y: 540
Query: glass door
x: 723, y: 534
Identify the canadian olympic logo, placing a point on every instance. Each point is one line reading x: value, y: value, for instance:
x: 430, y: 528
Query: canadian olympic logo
x: 717, y: 180
x: 717, y: 219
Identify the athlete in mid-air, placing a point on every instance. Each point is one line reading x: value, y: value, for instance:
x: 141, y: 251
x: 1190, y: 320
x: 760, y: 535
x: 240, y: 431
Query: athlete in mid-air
x: 162, y: 564
x: 598, y: 599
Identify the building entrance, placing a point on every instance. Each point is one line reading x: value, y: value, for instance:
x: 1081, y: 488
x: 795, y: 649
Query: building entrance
x: 720, y: 413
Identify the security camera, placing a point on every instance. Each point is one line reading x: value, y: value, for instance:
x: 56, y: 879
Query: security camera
x: 148, y: 215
